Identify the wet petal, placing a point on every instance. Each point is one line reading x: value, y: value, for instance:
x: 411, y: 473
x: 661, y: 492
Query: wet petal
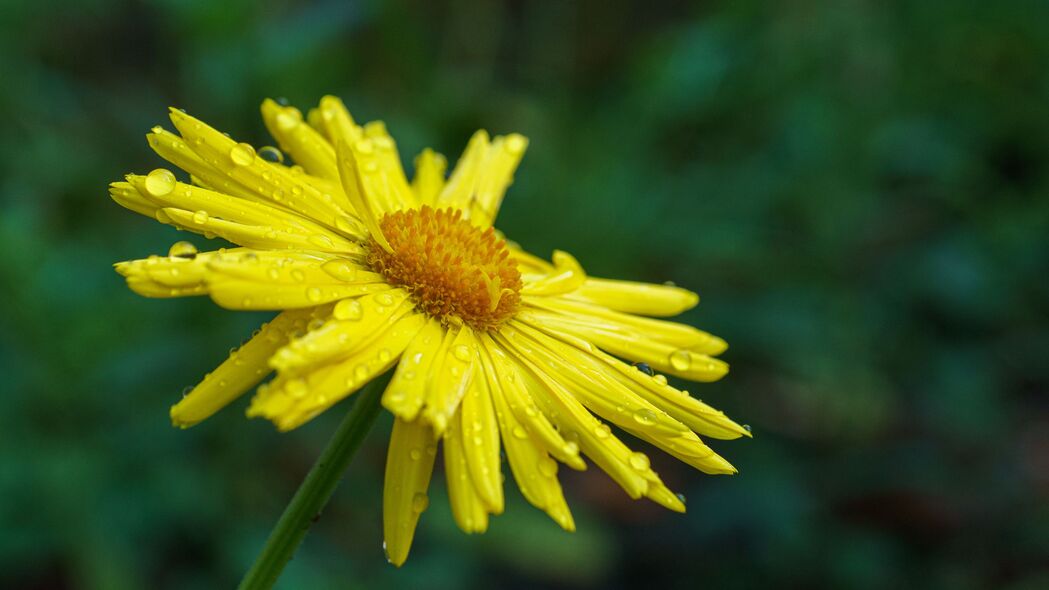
x: 469, y: 511
x: 429, y: 176
x: 480, y: 434
x: 244, y: 368
x: 451, y: 380
x: 639, y: 298
x: 409, y: 466
x: 308, y: 147
x: 406, y: 393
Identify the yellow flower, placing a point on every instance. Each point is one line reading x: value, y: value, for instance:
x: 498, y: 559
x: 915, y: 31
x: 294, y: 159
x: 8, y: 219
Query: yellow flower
x: 493, y: 347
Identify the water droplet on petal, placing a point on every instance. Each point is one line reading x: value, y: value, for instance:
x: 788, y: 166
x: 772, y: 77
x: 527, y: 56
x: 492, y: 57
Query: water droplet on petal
x: 341, y: 269
x: 160, y: 182
x: 660, y: 379
x: 183, y: 250
x: 520, y: 432
x: 271, y: 154
x: 313, y: 294
x: 384, y: 299
x: 200, y: 217
x: 415, y: 454
x: 602, y: 431
x: 645, y: 417
x: 462, y: 352
x: 348, y: 309
x: 360, y: 372
x: 242, y: 154
x: 548, y: 467
x: 420, y: 502
x: 639, y: 461
x: 681, y: 360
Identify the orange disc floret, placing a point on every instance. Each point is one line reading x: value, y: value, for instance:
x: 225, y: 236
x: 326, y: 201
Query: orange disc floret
x: 454, y: 271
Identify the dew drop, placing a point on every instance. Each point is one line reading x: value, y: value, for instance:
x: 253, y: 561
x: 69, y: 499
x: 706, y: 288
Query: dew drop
x: 462, y: 352
x: 415, y: 454
x: 639, y: 461
x: 660, y: 379
x: 384, y: 299
x: 519, y: 432
x: 384, y: 355
x: 360, y: 372
x: 681, y: 359
x: 298, y: 275
x: 645, y: 417
x: 644, y: 368
x: 348, y: 309
x: 200, y: 217
x: 340, y: 269
x: 313, y: 294
x: 572, y: 448
x: 183, y: 250
x: 242, y: 154
x: 602, y: 431
x: 420, y: 502
x: 160, y: 182
x: 288, y: 118
x: 271, y: 154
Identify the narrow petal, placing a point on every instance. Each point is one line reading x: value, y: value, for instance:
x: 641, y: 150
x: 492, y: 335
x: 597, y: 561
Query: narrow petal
x: 244, y: 368
x: 451, y: 381
x: 231, y: 287
x: 251, y: 236
x: 353, y: 324
x: 358, y: 171
x: 639, y: 298
x: 594, y: 437
x: 469, y: 511
x: 126, y: 196
x: 533, y: 468
x: 309, y: 148
x: 495, y: 177
x: 291, y: 401
x: 697, y: 415
x: 591, y: 381
x: 161, y: 188
x: 481, y: 440
x: 459, y: 191
x: 409, y: 466
x: 406, y: 393
x: 429, y: 176
x: 391, y: 173
x: 567, y: 276
x: 682, y: 362
x: 502, y: 372
x: 174, y: 149
x: 269, y: 181
x: 672, y: 333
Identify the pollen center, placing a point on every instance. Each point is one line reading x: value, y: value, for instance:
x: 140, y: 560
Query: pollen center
x: 455, y: 272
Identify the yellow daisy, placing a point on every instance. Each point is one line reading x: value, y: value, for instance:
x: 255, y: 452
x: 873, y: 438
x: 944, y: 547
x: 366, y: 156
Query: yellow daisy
x: 494, y: 348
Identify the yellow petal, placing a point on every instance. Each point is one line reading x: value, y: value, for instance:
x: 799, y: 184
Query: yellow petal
x: 407, y: 392
x: 409, y: 466
x: 567, y: 276
x: 481, y: 441
x: 429, y: 176
x: 126, y: 196
x: 639, y: 298
x: 308, y: 147
x: 244, y: 368
x: 269, y: 181
x: 454, y: 371
x: 533, y: 469
x: 595, y: 316
x: 467, y: 508
x: 290, y: 401
x: 174, y: 149
x: 360, y: 184
x: 665, y: 358
x: 593, y: 384
x: 353, y: 324
x: 495, y: 177
x: 502, y: 372
x: 391, y: 173
x: 459, y: 190
x: 161, y: 188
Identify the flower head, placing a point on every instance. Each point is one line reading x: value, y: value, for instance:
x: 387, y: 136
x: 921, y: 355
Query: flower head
x: 494, y: 348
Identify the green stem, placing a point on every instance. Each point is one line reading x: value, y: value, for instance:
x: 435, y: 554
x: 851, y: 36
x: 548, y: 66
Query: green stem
x: 315, y: 490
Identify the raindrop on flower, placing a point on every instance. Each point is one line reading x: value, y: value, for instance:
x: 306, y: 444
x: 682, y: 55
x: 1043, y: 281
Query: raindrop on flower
x: 183, y: 250
x: 681, y: 360
x: 271, y: 154
x: 160, y: 182
x: 242, y: 154
x: 548, y: 467
x: 639, y: 461
x: 200, y: 217
x: 420, y: 502
x: 462, y: 352
x: 348, y: 309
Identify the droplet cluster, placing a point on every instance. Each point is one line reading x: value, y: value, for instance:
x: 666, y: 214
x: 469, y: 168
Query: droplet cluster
x: 454, y: 271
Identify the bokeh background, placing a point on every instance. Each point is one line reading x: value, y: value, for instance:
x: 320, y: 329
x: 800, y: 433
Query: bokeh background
x: 858, y: 190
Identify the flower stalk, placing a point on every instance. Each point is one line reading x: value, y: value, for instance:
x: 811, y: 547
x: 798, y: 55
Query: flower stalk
x: 315, y: 490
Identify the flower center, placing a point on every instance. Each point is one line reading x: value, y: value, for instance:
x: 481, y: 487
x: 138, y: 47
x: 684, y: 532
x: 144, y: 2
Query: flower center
x: 455, y: 272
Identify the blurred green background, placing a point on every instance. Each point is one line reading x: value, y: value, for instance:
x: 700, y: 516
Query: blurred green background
x: 858, y: 190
